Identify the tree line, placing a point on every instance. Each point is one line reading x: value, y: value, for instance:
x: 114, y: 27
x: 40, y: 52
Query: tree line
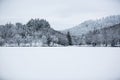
x: 109, y: 36
x: 36, y: 32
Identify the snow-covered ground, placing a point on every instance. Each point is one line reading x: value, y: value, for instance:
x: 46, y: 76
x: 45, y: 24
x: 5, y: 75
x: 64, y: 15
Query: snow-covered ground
x: 70, y: 63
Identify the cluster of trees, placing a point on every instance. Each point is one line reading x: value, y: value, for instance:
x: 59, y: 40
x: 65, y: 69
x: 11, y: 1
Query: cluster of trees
x: 38, y: 32
x: 35, y: 33
x: 109, y: 36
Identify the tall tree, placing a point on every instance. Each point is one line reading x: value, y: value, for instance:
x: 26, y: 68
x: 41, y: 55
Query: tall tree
x: 69, y: 38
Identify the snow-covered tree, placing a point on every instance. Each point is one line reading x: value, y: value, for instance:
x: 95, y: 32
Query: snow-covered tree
x: 7, y: 32
x: 1, y: 41
x: 37, y: 24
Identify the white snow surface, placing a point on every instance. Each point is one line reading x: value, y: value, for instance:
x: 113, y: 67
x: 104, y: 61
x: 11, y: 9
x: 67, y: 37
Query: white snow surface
x: 70, y: 63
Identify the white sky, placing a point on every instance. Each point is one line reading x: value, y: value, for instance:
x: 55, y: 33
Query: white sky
x: 61, y: 14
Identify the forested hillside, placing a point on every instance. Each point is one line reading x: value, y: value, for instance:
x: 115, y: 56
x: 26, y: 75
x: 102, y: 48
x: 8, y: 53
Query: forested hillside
x: 109, y: 36
x: 90, y: 25
x: 38, y: 33
x: 35, y: 33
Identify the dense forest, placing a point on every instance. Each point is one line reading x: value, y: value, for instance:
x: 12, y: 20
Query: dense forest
x: 101, y: 32
x: 109, y: 36
x: 38, y: 33
x: 35, y: 33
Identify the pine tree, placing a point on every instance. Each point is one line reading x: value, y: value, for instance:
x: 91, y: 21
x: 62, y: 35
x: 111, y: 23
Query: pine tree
x: 69, y: 38
x: 48, y: 41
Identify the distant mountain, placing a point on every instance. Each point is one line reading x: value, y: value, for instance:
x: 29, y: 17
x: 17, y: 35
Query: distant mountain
x: 91, y: 25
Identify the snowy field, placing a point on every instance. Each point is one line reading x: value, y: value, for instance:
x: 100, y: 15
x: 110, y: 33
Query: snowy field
x: 70, y: 63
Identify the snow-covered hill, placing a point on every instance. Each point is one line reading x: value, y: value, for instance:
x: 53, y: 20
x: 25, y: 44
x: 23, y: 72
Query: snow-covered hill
x: 35, y: 33
x: 91, y: 25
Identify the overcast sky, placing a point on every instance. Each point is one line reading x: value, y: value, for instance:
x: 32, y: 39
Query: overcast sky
x: 61, y: 14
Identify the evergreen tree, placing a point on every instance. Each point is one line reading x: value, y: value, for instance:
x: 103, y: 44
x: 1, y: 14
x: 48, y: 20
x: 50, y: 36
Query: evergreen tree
x: 48, y: 41
x: 69, y: 38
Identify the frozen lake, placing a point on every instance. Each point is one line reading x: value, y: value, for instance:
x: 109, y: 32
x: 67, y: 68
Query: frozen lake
x: 60, y: 63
